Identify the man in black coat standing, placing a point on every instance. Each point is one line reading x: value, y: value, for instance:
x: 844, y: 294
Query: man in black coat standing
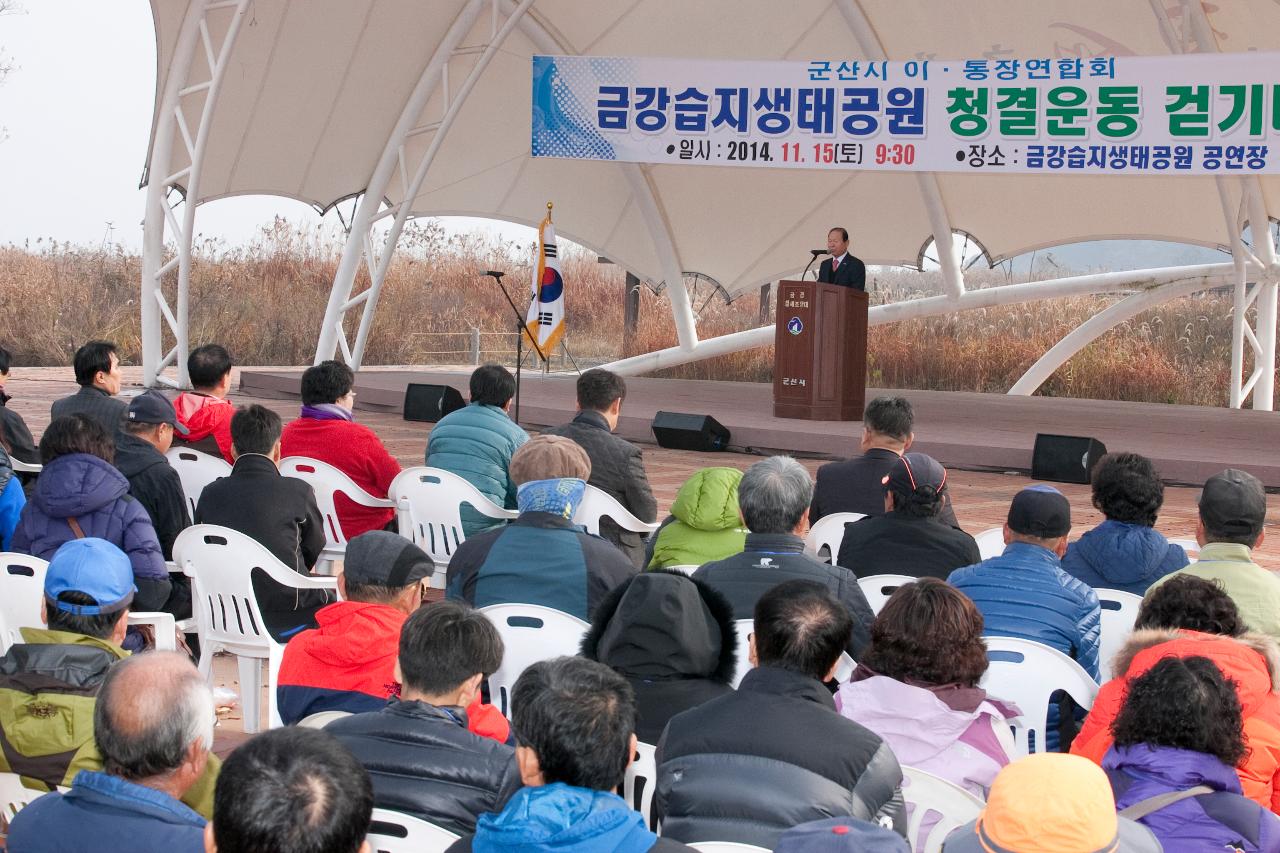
x: 842, y: 268
x: 616, y: 466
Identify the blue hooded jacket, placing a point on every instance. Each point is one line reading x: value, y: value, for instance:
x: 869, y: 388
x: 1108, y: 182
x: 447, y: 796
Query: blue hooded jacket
x: 564, y: 819
x: 96, y: 495
x: 1127, y: 557
x: 1222, y: 820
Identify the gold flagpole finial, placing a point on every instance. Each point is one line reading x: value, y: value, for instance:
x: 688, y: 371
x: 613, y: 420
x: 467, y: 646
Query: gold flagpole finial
x: 548, y: 205
x: 548, y: 210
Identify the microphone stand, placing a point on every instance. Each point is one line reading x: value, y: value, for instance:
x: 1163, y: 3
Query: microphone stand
x: 817, y: 253
x: 522, y: 329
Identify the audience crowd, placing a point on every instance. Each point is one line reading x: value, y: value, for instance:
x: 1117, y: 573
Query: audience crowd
x: 776, y: 707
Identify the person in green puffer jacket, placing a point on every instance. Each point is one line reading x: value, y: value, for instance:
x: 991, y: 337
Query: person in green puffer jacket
x: 704, y: 524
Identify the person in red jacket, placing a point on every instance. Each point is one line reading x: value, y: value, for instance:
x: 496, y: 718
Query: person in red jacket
x: 348, y: 663
x: 205, y: 410
x: 327, y: 431
x: 1191, y: 617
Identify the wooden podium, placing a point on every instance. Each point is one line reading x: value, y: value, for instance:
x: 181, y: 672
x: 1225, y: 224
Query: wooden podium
x: 820, y: 352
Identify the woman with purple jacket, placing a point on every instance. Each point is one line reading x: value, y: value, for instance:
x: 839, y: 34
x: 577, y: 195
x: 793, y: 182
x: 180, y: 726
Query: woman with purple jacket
x: 917, y: 687
x: 80, y: 493
x: 1180, y: 732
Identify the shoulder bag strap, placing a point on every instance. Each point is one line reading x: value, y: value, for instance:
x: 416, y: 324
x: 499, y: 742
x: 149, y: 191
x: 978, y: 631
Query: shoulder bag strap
x: 75, y: 527
x: 1142, y: 808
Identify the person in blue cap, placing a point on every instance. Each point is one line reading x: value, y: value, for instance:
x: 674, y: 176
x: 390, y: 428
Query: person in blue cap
x: 49, y: 682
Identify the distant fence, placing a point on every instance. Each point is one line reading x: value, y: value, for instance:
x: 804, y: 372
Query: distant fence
x: 476, y: 347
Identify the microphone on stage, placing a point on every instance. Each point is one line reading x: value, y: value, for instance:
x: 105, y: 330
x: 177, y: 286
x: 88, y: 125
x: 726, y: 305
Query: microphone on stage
x: 495, y: 273
x: 817, y: 253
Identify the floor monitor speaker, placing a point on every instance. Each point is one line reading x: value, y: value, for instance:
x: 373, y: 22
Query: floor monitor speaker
x: 430, y: 403
x: 1065, y: 458
x: 680, y: 431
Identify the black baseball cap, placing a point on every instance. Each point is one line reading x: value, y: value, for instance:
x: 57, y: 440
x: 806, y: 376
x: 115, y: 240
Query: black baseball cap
x: 152, y: 407
x: 383, y: 558
x: 1233, y: 502
x: 1041, y: 511
x: 914, y: 470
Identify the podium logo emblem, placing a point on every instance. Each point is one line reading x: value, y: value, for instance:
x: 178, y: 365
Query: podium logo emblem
x: 794, y: 326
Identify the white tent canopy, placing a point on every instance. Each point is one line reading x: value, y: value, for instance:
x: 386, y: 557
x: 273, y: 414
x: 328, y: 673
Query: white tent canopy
x: 425, y: 110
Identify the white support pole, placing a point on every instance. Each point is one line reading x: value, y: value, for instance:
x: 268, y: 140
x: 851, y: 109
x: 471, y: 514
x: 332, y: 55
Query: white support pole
x: 378, y: 276
x: 375, y: 189
x: 1235, y: 391
x: 1267, y: 302
x: 1098, y: 325
x: 930, y: 191
x: 161, y: 180
x: 646, y: 200
x: 1211, y: 275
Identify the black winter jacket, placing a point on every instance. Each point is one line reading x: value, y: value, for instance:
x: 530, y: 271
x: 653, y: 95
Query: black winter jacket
x: 773, y: 558
x: 748, y: 766
x: 281, y: 514
x: 672, y: 638
x: 616, y: 468
x: 900, y: 544
x: 21, y: 445
x: 154, y: 484
x: 855, y: 485
x: 424, y: 762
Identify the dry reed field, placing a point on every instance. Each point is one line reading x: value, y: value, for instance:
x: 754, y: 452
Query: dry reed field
x: 265, y: 300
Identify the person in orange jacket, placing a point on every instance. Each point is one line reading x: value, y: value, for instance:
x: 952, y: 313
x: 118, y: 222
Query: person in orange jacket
x: 1191, y: 617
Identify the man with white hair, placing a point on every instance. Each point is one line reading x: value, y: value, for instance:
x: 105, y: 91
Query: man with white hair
x: 774, y: 498
x: 153, y: 724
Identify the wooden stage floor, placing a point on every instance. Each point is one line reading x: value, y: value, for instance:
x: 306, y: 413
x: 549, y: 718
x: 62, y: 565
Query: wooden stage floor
x: 980, y: 432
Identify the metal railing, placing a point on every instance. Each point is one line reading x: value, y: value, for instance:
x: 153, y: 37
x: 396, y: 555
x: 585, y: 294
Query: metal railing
x: 475, y: 347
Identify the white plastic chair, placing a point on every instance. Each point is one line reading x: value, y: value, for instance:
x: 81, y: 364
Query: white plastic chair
x: 827, y: 533
x: 688, y: 570
x: 320, y: 719
x: 947, y: 803
x: 427, y: 502
x: 990, y: 542
x: 219, y: 562
x: 530, y: 633
x: 727, y: 847
x: 1191, y: 546
x: 22, y: 588
x: 14, y: 795
x: 393, y: 832
x: 164, y: 624
x: 878, y: 588
x: 1119, y: 612
x: 643, y: 773
x: 196, y: 470
x: 1027, y: 674
x: 744, y: 627
x: 326, y: 481
x: 597, y: 504
x: 26, y: 467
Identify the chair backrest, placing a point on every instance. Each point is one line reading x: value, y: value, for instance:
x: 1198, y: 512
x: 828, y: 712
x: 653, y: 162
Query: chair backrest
x: 320, y: 719
x: 687, y: 570
x: 428, y: 501
x: 326, y: 481
x: 878, y: 588
x: 219, y: 561
x: 196, y: 470
x: 393, y: 832
x: 990, y: 542
x: 642, y: 778
x: 21, y: 591
x: 597, y: 504
x: 14, y: 796
x: 1119, y: 612
x: 827, y: 533
x: 1027, y: 673
x: 727, y: 847
x: 1191, y: 546
x: 530, y: 633
x: 26, y: 467
x: 947, y: 805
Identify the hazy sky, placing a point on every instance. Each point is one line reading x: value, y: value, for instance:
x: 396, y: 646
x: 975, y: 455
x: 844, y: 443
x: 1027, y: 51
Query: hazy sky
x: 77, y: 113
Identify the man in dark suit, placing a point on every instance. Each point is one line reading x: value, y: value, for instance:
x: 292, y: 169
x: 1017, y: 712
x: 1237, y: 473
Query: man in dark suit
x: 97, y: 369
x: 842, y: 268
x: 279, y: 512
x: 616, y: 466
x: 857, y: 485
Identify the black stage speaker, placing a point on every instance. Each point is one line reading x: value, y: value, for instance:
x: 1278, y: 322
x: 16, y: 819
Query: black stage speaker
x: 679, y: 431
x: 430, y: 403
x: 1065, y: 458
